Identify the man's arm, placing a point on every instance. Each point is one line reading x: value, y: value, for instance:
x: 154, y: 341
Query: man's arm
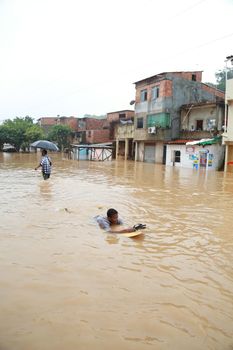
x: 39, y: 165
x: 124, y: 230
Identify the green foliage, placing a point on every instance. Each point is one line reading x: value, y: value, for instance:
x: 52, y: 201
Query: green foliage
x: 62, y: 134
x: 32, y: 134
x: 4, y: 136
x: 220, y: 76
x: 19, y: 132
x: 211, y: 84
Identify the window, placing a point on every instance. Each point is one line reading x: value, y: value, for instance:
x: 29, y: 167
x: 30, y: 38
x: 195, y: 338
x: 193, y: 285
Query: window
x: 194, y: 78
x: 199, y: 125
x: 155, y: 93
x: 81, y: 124
x: 143, y: 95
x: 139, y: 123
x: 177, y: 156
x: 122, y: 116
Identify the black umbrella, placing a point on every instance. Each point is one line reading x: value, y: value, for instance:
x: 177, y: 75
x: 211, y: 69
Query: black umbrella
x: 45, y: 145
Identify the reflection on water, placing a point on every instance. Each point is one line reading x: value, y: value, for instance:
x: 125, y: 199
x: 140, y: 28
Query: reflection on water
x: 66, y: 284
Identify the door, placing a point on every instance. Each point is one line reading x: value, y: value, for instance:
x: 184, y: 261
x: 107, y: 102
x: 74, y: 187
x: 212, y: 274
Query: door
x: 176, y: 157
x: 149, y: 154
x: 164, y: 153
x: 203, y: 159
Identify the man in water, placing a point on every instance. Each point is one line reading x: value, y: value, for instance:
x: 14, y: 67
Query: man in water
x: 45, y: 165
x: 109, y: 222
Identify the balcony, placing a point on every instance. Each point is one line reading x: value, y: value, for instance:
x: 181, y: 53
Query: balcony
x: 197, y: 134
x: 125, y: 131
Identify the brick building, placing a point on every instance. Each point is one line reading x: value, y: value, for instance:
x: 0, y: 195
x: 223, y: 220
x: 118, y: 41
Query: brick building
x: 46, y: 123
x: 72, y: 122
x: 157, y: 110
x: 92, y: 130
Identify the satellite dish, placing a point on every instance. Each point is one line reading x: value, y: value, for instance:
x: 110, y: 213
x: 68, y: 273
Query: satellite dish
x: 132, y: 102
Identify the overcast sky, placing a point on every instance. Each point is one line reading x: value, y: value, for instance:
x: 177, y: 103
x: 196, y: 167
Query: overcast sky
x: 71, y: 57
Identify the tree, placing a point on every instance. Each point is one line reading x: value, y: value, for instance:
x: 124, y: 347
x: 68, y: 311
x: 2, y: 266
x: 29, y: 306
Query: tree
x: 62, y: 134
x: 16, y: 130
x: 32, y: 134
x: 220, y: 76
x: 19, y: 132
x: 4, y: 136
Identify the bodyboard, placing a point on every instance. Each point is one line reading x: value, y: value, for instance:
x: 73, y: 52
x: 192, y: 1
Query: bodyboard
x: 132, y: 234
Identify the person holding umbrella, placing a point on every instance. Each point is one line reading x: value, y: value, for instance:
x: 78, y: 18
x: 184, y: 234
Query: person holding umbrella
x: 45, y: 165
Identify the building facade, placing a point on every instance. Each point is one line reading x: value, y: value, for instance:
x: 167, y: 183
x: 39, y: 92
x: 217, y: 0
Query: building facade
x: 228, y: 133
x: 158, y: 110
x: 121, y: 133
x: 205, y: 154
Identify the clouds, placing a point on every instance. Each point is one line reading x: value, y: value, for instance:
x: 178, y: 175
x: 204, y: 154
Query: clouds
x: 74, y: 57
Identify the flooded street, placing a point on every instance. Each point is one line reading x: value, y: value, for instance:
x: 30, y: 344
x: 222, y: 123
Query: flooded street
x: 65, y: 284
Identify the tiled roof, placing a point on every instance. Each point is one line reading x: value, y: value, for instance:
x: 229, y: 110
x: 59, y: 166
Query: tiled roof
x: 178, y: 142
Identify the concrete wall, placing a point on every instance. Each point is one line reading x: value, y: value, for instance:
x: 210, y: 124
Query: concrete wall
x: 176, y: 89
x: 115, y: 116
x: 140, y: 155
x: 159, y: 152
x: 186, y: 92
x: 204, y: 113
x: 190, y: 158
x: 124, y: 131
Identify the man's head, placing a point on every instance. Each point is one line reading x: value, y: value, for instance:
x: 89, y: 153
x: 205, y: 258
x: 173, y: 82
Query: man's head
x: 44, y: 152
x: 112, y: 215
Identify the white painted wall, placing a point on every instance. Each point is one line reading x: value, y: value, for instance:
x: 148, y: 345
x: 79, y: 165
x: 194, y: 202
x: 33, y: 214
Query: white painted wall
x: 187, y: 160
x: 228, y: 136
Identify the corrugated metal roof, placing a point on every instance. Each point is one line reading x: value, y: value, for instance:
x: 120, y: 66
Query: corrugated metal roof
x: 94, y: 145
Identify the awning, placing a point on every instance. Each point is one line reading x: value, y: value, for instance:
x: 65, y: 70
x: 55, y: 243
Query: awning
x: 204, y: 142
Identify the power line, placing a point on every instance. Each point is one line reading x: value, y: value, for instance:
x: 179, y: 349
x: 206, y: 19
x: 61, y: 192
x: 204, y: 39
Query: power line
x: 207, y: 43
x: 187, y: 9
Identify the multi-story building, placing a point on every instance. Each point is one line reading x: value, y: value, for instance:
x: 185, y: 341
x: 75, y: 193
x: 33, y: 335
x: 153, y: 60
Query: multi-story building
x: 72, y: 122
x: 228, y: 134
x: 93, y: 130
x: 121, y: 131
x: 158, y: 110
x: 46, y: 123
x: 202, y: 120
x: 200, y: 143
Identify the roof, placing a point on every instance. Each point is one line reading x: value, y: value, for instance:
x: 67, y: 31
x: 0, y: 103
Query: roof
x: 178, y: 142
x: 124, y: 110
x: 94, y: 145
x: 204, y: 142
x: 163, y: 73
x: 202, y: 104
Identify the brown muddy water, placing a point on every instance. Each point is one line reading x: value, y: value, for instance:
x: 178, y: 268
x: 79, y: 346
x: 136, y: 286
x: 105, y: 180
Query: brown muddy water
x: 65, y: 284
